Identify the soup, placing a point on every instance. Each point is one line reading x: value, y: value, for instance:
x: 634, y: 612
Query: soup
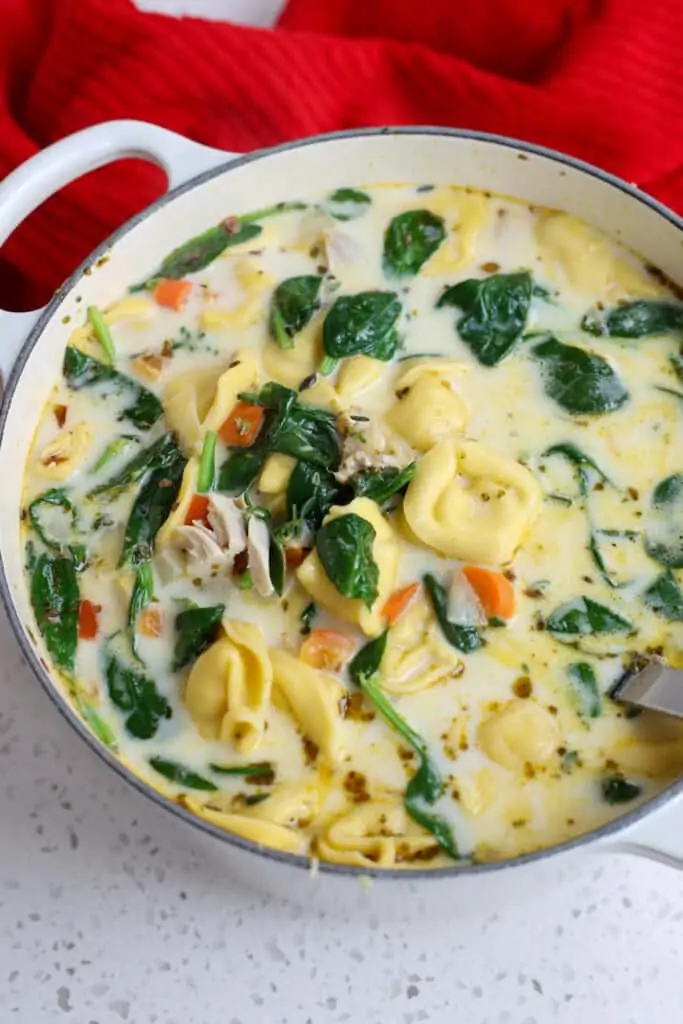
x: 340, y: 526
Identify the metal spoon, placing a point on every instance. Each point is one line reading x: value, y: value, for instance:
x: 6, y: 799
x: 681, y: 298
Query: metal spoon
x: 651, y: 683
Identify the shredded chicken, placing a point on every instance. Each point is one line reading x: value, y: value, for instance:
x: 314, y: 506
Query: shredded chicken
x: 258, y: 549
x: 227, y: 522
x: 204, y: 556
x: 363, y: 451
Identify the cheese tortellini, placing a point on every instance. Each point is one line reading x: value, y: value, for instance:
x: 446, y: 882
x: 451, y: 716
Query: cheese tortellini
x: 375, y: 834
x: 468, y: 502
x: 385, y: 550
x: 59, y: 459
x: 255, y: 284
x: 519, y: 733
x: 416, y: 655
x: 229, y: 686
x: 427, y: 408
x: 290, y: 366
x: 589, y: 260
x: 313, y: 697
x: 197, y: 401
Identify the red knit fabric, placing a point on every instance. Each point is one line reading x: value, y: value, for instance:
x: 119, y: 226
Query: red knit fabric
x: 600, y: 79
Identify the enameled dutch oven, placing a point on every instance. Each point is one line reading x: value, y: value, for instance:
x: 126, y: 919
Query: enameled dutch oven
x: 204, y: 185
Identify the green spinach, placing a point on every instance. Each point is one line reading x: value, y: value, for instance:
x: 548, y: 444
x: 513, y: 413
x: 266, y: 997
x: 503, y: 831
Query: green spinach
x: 311, y: 493
x: 261, y: 772
x: 240, y: 470
x: 664, y: 530
x: 635, y: 319
x: 196, y: 630
x: 347, y: 203
x: 579, y: 381
x: 584, y: 687
x: 409, y: 241
x: 344, y: 546
x: 82, y: 371
x: 55, y: 601
x: 294, y: 303
x: 141, y: 596
x: 161, y: 456
x: 180, y: 775
x: 362, y: 324
x: 617, y: 790
x: 665, y: 598
x: 382, y: 484
x: 136, y: 694
x: 151, y: 509
x: 463, y: 638
x: 307, y: 617
x: 63, y: 522
x: 496, y: 310
x: 585, y: 466
x: 584, y: 617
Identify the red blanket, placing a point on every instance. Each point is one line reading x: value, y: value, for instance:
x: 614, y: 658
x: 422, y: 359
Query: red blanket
x: 601, y: 79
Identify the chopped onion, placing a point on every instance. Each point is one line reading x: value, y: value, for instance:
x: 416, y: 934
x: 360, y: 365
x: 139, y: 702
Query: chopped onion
x: 463, y: 604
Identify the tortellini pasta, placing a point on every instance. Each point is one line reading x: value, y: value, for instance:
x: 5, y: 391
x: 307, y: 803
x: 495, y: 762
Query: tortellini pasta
x: 466, y: 214
x: 519, y: 733
x: 589, y: 260
x: 229, y: 686
x: 291, y: 366
x: 255, y: 284
x: 375, y: 834
x: 313, y: 697
x: 428, y: 409
x: 357, y: 374
x: 134, y: 310
x: 416, y: 655
x: 197, y: 401
x: 276, y: 473
x: 468, y: 502
x: 385, y: 550
x: 62, y: 456
x: 188, y: 489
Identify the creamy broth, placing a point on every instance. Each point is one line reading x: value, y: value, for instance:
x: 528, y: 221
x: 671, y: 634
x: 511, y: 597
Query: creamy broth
x: 365, y: 597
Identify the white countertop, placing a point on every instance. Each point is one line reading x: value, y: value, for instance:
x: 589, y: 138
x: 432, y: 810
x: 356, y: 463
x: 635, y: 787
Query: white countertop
x: 111, y: 911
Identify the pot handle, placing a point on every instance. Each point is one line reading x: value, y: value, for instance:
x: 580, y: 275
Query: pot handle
x: 657, y: 836
x: 56, y: 166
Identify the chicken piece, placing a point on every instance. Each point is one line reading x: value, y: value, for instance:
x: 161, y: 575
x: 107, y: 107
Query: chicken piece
x: 258, y: 549
x: 204, y: 557
x: 227, y: 522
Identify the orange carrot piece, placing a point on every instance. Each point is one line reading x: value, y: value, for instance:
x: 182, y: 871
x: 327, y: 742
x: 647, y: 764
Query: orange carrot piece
x: 87, y: 620
x: 398, y: 602
x: 172, y: 294
x: 295, y: 556
x: 496, y: 594
x: 151, y: 621
x: 198, y: 510
x: 327, y: 648
x: 242, y: 426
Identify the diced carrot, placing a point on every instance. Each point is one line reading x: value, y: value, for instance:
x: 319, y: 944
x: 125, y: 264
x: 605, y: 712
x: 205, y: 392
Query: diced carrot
x: 496, y: 593
x: 172, y: 294
x: 398, y: 602
x: 87, y: 620
x: 198, y: 510
x: 295, y: 556
x: 327, y: 649
x: 151, y: 621
x: 241, y: 428
x: 60, y: 412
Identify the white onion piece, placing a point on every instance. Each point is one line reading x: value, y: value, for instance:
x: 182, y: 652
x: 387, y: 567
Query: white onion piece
x: 464, y: 608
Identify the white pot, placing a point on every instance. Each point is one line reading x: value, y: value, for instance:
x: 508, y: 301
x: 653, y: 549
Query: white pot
x: 205, y: 185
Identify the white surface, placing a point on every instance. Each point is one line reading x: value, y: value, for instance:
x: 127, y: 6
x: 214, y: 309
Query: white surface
x: 110, y: 911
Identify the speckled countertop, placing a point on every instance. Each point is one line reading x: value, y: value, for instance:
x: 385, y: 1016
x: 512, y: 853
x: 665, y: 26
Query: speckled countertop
x: 112, y: 912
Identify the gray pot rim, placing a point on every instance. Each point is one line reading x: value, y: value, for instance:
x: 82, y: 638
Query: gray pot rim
x: 464, y: 869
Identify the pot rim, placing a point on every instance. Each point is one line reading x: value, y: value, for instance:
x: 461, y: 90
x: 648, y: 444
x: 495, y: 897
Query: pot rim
x: 462, y: 869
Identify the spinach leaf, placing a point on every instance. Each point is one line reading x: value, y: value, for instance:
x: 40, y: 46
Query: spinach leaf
x: 113, y: 450
x: 362, y: 324
x: 584, y: 464
x: 664, y: 530
x: 141, y: 596
x: 347, y: 203
x: 181, y: 775
x: 410, y: 239
x: 496, y: 310
x: 584, y: 687
x: 134, y: 693
x: 307, y: 433
x: 162, y: 455
x: 261, y: 773
x: 426, y: 785
x: 635, y: 319
x: 294, y: 303
x: 63, y: 523
x: 196, y: 630
x: 579, y: 381
x: 463, y: 638
x: 617, y: 790
x: 150, y: 510
x: 344, y: 547
x: 665, y: 598
x: 677, y: 365
x: 599, y: 561
x: 311, y: 493
x: 55, y: 602
x: 277, y: 564
x: 583, y: 617
x: 307, y: 616
x: 383, y: 484
x: 82, y: 371
x: 241, y: 469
